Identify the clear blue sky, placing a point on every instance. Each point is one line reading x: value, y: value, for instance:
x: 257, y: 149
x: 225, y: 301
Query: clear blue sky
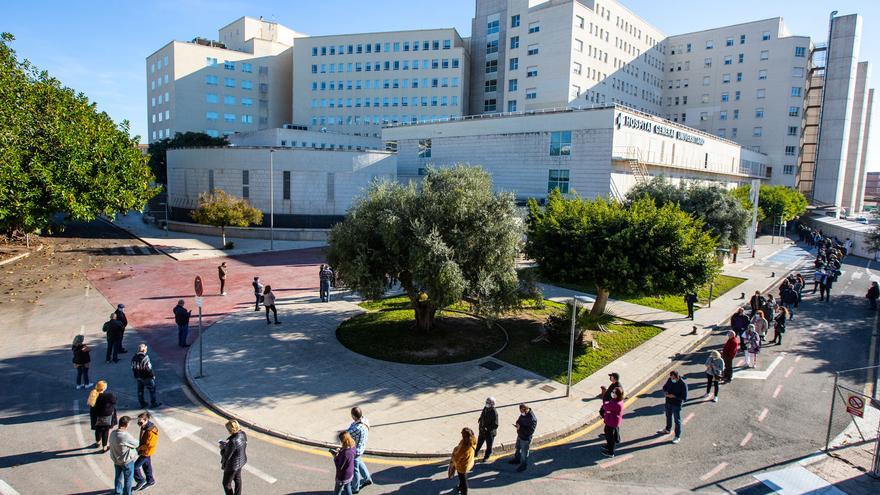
x: 99, y: 47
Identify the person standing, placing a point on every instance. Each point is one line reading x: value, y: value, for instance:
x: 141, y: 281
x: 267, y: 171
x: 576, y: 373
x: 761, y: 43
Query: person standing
x: 120, y: 316
x: 769, y: 309
x: 873, y: 294
x: 221, y: 274
x: 359, y: 431
x: 143, y: 466
x: 779, y: 325
x: 690, y: 299
x: 789, y: 298
x: 123, y: 451
x: 612, y: 418
x: 102, y: 414
x: 608, y: 392
x: 258, y: 292
x: 488, y: 427
x: 739, y: 321
x: 756, y: 302
x: 325, y: 276
x: 525, y: 429
x: 142, y: 369
x: 676, y: 392
x: 714, y: 373
x: 343, y: 458
x: 81, y: 361
x: 113, y: 329
x: 269, y: 304
x: 728, y: 353
x: 818, y: 278
x: 752, y: 344
x: 825, y: 286
x: 463, y: 459
x: 181, y: 317
x: 760, y: 324
x: 233, y: 457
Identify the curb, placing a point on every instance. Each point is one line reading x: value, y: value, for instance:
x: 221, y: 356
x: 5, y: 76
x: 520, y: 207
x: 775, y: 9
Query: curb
x: 21, y: 256
x: 537, y: 442
x: 132, y: 234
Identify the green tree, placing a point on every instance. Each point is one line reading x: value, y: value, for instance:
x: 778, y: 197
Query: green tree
x: 58, y: 154
x: 775, y: 203
x: 158, y: 150
x: 450, y: 239
x: 224, y: 210
x: 721, y: 212
x: 639, y: 248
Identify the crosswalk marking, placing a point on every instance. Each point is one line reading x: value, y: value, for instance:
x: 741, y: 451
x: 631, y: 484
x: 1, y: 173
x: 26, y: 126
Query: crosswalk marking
x: 174, y: 428
x: 5, y: 489
x: 760, y: 375
x: 247, y: 467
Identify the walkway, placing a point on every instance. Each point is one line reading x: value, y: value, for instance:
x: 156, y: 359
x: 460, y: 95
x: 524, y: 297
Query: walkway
x: 297, y: 381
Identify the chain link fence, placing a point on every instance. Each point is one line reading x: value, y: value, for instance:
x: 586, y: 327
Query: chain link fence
x: 853, y: 430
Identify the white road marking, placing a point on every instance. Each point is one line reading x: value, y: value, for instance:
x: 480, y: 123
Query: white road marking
x: 174, y: 428
x: 87, y: 291
x: 746, y: 439
x: 760, y: 374
x: 5, y: 489
x: 776, y: 392
x: 90, y: 460
x: 247, y: 467
x: 797, y: 359
x: 763, y: 415
x: 615, y: 461
x: 688, y: 418
x: 789, y: 372
x: 717, y: 469
x: 857, y: 275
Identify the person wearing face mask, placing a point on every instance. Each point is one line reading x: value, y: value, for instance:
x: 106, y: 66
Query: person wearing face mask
x: 525, y: 430
x: 143, y: 466
x: 488, y: 427
x: 676, y: 392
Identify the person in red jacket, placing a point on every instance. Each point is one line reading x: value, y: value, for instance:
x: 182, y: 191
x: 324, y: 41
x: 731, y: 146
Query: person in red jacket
x: 728, y: 353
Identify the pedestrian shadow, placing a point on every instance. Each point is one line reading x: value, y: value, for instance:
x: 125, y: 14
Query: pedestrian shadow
x: 15, y: 460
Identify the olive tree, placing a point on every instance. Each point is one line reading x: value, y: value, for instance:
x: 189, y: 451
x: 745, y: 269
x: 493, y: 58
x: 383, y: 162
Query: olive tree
x: 224, y: 210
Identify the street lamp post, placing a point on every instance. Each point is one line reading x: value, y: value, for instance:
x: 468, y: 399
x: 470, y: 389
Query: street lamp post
x: 574, y: 305
x: 271, y: 200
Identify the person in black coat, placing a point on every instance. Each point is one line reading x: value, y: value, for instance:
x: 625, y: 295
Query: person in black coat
x: 102, y: 414
x: 113, y: 329
x: 779, y: 325
x: 525, y: 425
x: 488, y: 426
x: 233, y: 457
x: 690, y: 299
x: 120, y: 316
x: 873, y: 294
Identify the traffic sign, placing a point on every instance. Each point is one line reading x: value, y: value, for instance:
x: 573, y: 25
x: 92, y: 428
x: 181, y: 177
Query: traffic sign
x: 200, y: 289
x: 855, y: 405
x: 199, y: 301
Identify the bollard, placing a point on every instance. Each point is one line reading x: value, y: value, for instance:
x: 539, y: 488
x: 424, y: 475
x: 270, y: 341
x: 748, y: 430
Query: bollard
x: 753, y: 253
x: 742, y: 295
x: 772, y: 274
x: 694, y: 331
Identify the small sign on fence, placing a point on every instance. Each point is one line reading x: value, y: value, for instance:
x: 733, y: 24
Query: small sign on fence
x: 855, y: 405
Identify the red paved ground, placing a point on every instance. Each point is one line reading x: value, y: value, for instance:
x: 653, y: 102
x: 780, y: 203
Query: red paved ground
x: 150, y: 292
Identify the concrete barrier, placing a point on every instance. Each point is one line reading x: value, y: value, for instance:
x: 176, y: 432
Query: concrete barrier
x: 251, y: 232
x: 842, y: 229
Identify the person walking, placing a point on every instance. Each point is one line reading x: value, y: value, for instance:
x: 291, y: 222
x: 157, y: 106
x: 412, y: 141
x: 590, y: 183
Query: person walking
x: 142, y: 369
x: 221, y: 274
x: 779, y: 325
x: 359, y: 430
x: 760, y: 324
x: 102, y: 414
x: 343, y: 458
x: 690, y: 299
x: 81, y: 361
x: 739, y: 321
x: 258, y: 292
x: 676, y: 391
x: 714, y: 373
x: 728, y: 353
x: 612, y: 418
x: 873, y: 294
x: 123, y: 451
x: 325, y: 276
x: 752, y: 344
x: 113, y: 330
x: 525, y: 425
x: 120, y: 316
x: 233, y: 457
x: 487, y: 425
x: 463, y: 459
x: 269, y: 304
x: 181, y: 317
x: 143, y: 466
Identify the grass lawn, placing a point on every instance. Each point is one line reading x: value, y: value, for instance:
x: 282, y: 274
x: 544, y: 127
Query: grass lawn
x: 551, y: 359
x: 669, y: 302
x: 387, y: 332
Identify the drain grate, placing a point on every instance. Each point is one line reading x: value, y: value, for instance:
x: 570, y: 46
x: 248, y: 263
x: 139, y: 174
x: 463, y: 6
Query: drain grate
x: 548, y: 388
x: 491, y: 365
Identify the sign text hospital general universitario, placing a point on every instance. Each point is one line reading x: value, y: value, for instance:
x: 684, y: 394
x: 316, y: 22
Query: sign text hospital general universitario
x: 648, y: 126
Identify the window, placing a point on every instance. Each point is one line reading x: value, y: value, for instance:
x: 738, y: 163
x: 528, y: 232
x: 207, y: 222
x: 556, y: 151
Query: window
x: 247, y: 85
x: 742, y: 39
x: 689, y: 47
x: 704, y: 116
x: 762, y: 74
x: 722, y: 133
x: 229, y: 82
x: 576, y: 68
x: 796, y: 91
x: 511, y: 105
x: 575, y: 92
x: 514, y: 63
x: 706, y: 80
x: 560, y: 143
x: 211, y: 80
x: 707, y: 62
x: 491, y: 85
x: 490, y: 105
x: 736, y: 114
x: 424, y: 148
x: 728, y: 60
x: 739, y: 77
x: 229, y: 100
x: 247, y: 102
x: 794, y: 111
x: 247, y: 67
x: 740, y: 58
x: 491, y: 66
x: 533, y: 50
x: 558, y: 179
x: 228, y: 65
x: 531, y: 93
x: 245, y: 184
x: 797, y: 72
x: 790, y: 150
x: 514, y: 42
x: 285, y: 184
x: 737, y: 95
x: 710, y: 44
x: 229, y: 117
x: 491, y: 47
x: 759, y: 113
x: 761, y: 93
x: 800, y: 51
x: 209, y: 61
x: 792, y: 130
x: 733, y: 132
x: 722, y: 115
x: 532, y: 71
x: 765, y: 54
x: 211, y: 116
x: 703, y: 99
x: 758, y: 131
x: 210, y: 98
x: 492, y: 27
x: 514, y: 21
x: 512, y: 84
x: 534, y: 27
x: 765, y: 36
x: 728, y: 42
x: 578, y: 45
x: 725, y: 97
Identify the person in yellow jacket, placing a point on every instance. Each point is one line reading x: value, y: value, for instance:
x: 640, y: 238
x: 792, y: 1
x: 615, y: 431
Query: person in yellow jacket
x: 463, y: 459
x: 143, y: 466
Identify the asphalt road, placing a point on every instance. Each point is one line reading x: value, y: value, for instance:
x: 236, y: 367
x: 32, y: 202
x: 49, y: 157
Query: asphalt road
x: 44, y: 437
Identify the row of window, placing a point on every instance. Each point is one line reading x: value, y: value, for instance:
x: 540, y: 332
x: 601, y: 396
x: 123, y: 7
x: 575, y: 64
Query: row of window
x: 350, y: 120
x: 799, y: 51
x: 159, y: 81
x: 229, y: 117
x: 436, y: 82
x: 796, y: 72
x: 162, y: 134
x: 158, y: 64
x: 154, y: 102
x: 159, y: 117
x: 759, y: 113
x: 228, y: 100
x: 386, y: 101
x: 230, y: 82
x: 386, y: 47
x: 437, y: 63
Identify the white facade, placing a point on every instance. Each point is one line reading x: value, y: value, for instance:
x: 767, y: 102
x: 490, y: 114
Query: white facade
x: 595, y: 152
x: 356, y: 83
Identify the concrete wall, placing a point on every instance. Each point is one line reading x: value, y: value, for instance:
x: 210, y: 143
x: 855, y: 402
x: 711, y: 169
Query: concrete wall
x: 866, y: 139
x: 295, y: 138
x: 842, y: 229
x: 252, y: 232
x: 853, y: 171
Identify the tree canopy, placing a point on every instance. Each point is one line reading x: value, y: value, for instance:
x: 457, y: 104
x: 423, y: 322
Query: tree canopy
x: 722, y: 213
x: 224, y: 210
x: 775, y: 203
x: 450, y: 239
x: 59, y: 154
x: 638, y: 248
x: 158, y: 150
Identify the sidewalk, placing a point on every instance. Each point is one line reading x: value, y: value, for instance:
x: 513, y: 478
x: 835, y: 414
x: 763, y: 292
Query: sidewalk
x: 297, y: 381
x: 185, y: 246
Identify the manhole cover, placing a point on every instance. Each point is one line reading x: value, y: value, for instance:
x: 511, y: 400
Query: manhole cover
x: 548, y: 388
x: 491, y: 365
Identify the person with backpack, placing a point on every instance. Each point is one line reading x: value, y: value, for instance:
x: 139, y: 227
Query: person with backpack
x: 142, y: 370
x: 488, y: 427
x: 873, y: 294
x: 81, y: 360
x: 143, y: 466
x: 325, y: 276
